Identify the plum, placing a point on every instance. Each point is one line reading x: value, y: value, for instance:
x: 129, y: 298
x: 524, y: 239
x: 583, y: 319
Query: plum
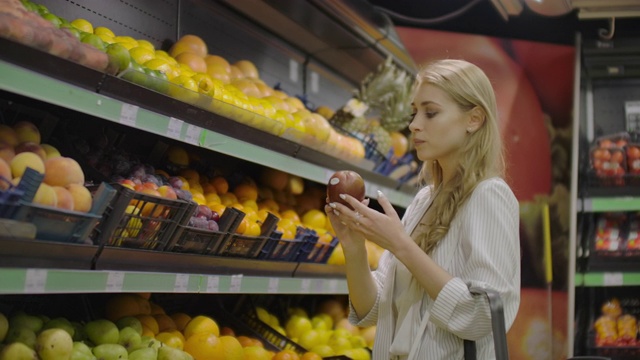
x: 213, y: 225
x: 215, y: 216
x: 176, y: 182
x: 184, y: 195
x: 200, y: 223
x: 203, y: 211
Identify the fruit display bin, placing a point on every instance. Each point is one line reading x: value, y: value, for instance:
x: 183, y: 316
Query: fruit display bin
x: 313, y: 251
x: 281, y: 249
x: 189, y: 239
x: 142, y: 221
x: 52, y: 224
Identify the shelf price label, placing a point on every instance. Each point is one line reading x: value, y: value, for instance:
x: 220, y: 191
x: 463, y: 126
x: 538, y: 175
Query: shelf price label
x: 236, y: 283
x: 192, y: 135
x: 182, y: 283
x: 115, y: 280
x: 333, y: 285
x: 128, y: 114
x: 273, y: 285
x: 35, y: 281
x: 213, y: 283
x: 613, y: 279
x: 305, y: 286
x: 174, y: 128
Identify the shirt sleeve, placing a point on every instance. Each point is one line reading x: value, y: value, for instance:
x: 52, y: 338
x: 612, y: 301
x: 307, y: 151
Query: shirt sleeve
x: 491, y: 248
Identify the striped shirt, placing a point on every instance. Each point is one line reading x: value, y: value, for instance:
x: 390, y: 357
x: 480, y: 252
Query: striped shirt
x: 481, y: 248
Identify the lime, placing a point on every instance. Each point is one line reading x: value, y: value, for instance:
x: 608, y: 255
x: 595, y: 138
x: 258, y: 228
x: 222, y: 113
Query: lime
x: 93, y: 40
x: 119, y: 56
x: 52, y: 19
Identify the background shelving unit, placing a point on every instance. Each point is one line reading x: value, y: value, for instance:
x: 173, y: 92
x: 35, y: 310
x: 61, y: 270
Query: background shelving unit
x: 606, y: 77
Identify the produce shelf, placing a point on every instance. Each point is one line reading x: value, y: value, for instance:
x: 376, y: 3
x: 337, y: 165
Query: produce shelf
x: 603, y: 204
x: 597, y: 279
x: 125, y: 103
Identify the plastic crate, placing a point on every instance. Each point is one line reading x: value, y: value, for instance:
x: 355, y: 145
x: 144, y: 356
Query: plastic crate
x: 188, y: 239
x: 137, y: 220
x: 53, y: 224
x: 280, y: 249
x: 237, y: 245
x: 312, y: 250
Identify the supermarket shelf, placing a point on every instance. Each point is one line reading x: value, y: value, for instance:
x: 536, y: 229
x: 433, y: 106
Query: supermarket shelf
x: 259, y: 147
x: 597, y: 279
x: 602, y: 204
x: 52, y: 281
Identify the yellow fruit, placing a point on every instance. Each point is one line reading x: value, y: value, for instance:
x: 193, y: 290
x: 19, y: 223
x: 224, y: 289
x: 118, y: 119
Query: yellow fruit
x: 122, y: 305
x: 146, y: 44
x: 399, y: 143
x: 193, y: 42
x: 165, y: 322
x: 193, y: 61
x: 247, y: 68
x: 231, y: 348
x: 314, y: 218
x: 171, y: 339
x: 150, y: 322
x: 181, y: 320
x: 204, y: 345
x: 101, y: 30
x: 4, y: 326
x: 201, y: 324
x: 141, y: 54
x: 256, y: 353
x: 22, y: 161
x: 162, y: 65
x: 323, y: 350
x: 178, y: 156
x: 337, y: 256
x: 297, y: 325
x: 82, y: 25
x: 246, y: 192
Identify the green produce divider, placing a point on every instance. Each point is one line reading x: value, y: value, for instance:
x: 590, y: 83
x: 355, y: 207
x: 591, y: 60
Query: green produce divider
x: 51, y: 281
x: 28, y: 83
x: 602, y: 204
x: 597, y: 279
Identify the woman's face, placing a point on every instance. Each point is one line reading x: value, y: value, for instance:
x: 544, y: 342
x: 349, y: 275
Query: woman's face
x: 439, y: 126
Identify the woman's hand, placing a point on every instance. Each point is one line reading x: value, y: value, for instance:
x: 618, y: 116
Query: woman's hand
x: 344, y: 231
x: 383, y: 228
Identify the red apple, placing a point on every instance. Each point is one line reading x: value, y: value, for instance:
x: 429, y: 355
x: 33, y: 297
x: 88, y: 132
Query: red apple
x: 345, y: 182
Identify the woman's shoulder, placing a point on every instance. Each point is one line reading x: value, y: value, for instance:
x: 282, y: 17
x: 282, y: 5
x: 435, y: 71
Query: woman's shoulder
x: 494, y: 188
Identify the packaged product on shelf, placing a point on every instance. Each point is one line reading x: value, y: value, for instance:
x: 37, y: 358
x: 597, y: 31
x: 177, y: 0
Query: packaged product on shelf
x: 606, y: 331
x: 608, y: 234
x: 627, y: 329
x: 608, y: 159
x: 632, y: 245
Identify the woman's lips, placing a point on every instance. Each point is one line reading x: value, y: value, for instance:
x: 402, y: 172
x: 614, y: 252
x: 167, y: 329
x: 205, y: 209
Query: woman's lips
x: 417, y: 142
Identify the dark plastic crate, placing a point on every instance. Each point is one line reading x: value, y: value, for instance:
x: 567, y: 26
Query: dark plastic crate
x: 151, y: 227
x: 242, y: 246
x: 312, y: 250
x: 280, y: 249
x: 200, y: 241
x: 52, y: 224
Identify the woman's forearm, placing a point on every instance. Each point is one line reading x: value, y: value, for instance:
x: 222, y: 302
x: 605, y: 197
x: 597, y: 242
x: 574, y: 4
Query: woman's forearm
x: 360, y: 281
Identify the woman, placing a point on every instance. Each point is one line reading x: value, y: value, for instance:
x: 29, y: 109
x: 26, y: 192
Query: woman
x: 460, y: 230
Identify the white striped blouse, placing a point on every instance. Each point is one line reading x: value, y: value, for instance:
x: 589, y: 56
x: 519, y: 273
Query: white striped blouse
x: 481, y: 248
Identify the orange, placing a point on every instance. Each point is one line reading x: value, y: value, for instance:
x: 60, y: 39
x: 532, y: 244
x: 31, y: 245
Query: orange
x: 269, y: 204
x: 256, y: 353
x: 180, y: 319
x: 228, y: 199
x: 195, y: 62
x: 150, y: 322
x: 245, y: 341
x: 171, y: 339
x: 286, y: 355
x: 146, y: 295
x: 247, y: 68
x: 156, y: 309
x: 309, y: 355
x: 190, y: 175
x: 290, y: 214
x: 215, y: 60
x: 250, y: 204
x: 165, y: 322
x: 227, y: 331
x: 246, y: 192
x: 221, y: 184
x: 238, y: 206
x: 201, y: 324
x: 399, y: 143
x: 206, y: 346
x: 211, y: 197
x: 314, y: 218
x: 148, y: 332
x: 242, y: 228
x: 195, y: 43
x: 122, y: 305
x: 253, y: 229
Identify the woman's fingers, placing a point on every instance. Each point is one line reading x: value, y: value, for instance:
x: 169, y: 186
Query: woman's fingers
x: 386, y: 205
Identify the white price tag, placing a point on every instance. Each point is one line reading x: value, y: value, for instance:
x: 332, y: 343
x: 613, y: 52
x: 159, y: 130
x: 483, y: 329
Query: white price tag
x: 213, y: 283
x: 305, y: 286
x: 293, y: 71
x: 613, y: 279
x: 236, y: 283
x: 182, y: 283
x: 273, y: 285
x: 115, y: 280
x: 318, y: 286
x: 333, y: 285
x: 174, y: 128
x: 192, y: 135
x: 128, y: 114
x: 315, y: 82
x: 35, y: 281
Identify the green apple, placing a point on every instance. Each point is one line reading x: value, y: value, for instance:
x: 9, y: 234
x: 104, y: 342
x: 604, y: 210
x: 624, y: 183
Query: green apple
x: 21, y: 335
x: 60, y: 323
x: 129, y: 338
x: 130, y: 321
x: 78, y: 331
x: 102, y: 331
x: 18, y: 351
x: 4, y: 327
x: 110, y: 352
x: 22, y: 320
x: 54, y: 344
x: 170, y: 353
x: 144, y: 354
x: 81, y: 352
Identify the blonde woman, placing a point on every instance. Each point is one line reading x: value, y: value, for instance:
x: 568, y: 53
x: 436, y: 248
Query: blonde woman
x: 461, y: 230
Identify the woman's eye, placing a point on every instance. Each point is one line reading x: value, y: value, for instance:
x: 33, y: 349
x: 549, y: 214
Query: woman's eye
x: 431, y: 114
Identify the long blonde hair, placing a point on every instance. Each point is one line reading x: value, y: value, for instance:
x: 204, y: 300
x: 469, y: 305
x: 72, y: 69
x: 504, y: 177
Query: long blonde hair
x: 480, y: 157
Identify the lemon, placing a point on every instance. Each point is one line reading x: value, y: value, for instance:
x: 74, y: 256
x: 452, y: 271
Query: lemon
x: 141, y: 55
x: 101, y: 30
x: 146, y: 44
x: 126, y: 41
x: 106, y: 38
x: 82, y: 25
x: 163, y: 55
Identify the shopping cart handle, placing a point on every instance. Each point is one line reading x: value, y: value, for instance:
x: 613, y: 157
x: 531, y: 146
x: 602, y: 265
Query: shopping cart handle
x: 497, y: 320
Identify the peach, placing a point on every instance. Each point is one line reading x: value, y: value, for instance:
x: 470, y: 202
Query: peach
x: 46, y: 196
x: 6, y: 151
x: 23, y: 160
x: 167, y: 191
x: 82, y: 199
x: 51, y: 151
x: 30, y: 146
x: 27, y: 131
x: 62, y: 171
x: 8, y: 135
x: 65, y: 199
x: 5, y: 172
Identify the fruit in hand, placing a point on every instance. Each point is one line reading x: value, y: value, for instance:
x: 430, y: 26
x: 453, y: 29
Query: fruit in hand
x: 53, y: 344
x: 345, y: 182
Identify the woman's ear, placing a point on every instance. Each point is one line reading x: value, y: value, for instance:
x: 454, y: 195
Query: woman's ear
x: 476, y: 119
